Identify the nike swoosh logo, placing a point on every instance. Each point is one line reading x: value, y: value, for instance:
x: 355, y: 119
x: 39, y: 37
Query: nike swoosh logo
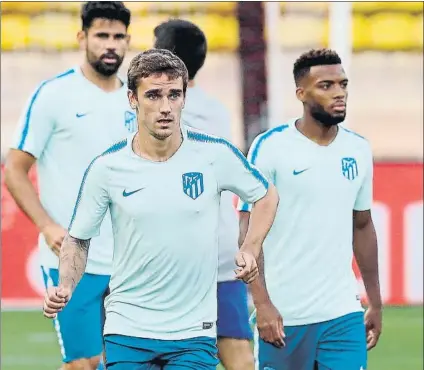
x: 299, y: 172
x: 127, y: 194
x: 79, y: 115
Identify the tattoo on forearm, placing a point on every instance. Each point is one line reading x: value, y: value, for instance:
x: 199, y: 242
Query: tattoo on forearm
x: 72, y: 261
x: 261, y: 268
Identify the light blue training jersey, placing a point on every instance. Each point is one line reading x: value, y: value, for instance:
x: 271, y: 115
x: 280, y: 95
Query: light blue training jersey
x: 165, y: 218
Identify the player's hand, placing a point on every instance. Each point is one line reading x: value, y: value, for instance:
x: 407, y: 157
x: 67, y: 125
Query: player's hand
x: 373, y: 326
x: 55, y: 299
x: 247, y: 268
x: 54, y: 235
x: 270, y: 324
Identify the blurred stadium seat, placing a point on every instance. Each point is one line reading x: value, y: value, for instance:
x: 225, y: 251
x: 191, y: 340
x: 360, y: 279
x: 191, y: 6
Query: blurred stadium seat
x: 301, y: 29
x: 54, y: 31
x: 392, y: 33
x: 381, y: 26
x: 14, y: 32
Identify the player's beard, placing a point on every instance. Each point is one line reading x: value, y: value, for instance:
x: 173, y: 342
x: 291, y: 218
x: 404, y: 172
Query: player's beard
x: 104, y: 69
x: 318, y: 112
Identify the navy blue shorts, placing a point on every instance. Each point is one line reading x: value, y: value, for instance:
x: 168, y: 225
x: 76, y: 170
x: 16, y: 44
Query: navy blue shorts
x: 79, y: 326
x: 338, y: 344
x: 233, y: 311
x: 130, y: 353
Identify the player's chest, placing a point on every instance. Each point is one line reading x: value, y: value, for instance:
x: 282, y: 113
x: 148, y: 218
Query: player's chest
x: 322, y: 173
x: 89, y: 117
x: 166, y: 192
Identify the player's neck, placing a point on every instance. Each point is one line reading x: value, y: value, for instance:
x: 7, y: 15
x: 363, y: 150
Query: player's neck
x: 147, y: 146
x: 316, y: 131
x: 106, y: 83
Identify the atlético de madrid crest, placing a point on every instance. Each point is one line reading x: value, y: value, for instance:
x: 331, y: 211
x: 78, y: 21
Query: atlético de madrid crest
x: 193, y: 184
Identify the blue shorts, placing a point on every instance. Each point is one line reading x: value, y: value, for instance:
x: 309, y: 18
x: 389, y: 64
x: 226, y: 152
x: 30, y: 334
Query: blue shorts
x: 233, y: 311
x: 79, y: 326
x: 338, y: 344
x: 129, y: 353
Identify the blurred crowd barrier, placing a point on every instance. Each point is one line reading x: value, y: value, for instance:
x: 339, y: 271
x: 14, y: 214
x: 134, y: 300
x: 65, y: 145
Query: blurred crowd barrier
x: 376, y: 25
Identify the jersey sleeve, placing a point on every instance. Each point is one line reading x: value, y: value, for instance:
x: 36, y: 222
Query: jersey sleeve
x: 257, y: 156
x: 91, y: 204
x: 36, y: 124
x: 364, y: 198
x: 236, y: 174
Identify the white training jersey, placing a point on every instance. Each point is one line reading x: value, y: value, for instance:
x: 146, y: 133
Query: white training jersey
x: 68, y: 121
x: 165, y: 219
x: 308, y: 251
x: 205, y: 113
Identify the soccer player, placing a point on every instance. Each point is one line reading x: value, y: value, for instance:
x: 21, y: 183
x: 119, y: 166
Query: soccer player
x: 205, y: 113
x: 69, y: 119
x: 162, y: 186
x: 324, y: 175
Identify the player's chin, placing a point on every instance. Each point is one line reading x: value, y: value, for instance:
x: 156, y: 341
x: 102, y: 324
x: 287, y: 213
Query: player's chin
x: 163, y: 133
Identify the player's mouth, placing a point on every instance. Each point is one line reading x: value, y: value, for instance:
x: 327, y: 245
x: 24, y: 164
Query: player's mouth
x: 110, y: 59
x: 165, y: 121
x: 339, y: 107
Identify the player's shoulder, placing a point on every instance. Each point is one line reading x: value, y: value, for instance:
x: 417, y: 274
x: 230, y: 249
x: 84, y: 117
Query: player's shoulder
x: 55, y: 86
x: 111, y: 155
x: 212, y: 146
x: 205, y: 112
x: 205, y: 139
x: 200, y: 100
x: 268, y: 139
x: 354, y: 140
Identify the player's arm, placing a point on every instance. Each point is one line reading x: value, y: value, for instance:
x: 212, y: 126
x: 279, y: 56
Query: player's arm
x: 259, y: 156
x: 268, y: 319
x: 242, y: 178
x: 90, y: 209
x: 34, y: 130
x: 366, y: 253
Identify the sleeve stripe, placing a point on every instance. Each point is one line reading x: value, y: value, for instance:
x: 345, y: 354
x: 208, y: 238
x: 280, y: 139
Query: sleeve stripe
x: 31, y: 104
x: 196, y: 136
x: 114, y: 148
x: 254, y: 156
x: 261, y: 140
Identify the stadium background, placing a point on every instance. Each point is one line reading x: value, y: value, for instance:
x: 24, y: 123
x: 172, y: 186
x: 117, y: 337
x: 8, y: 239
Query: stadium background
x: 385, y: 105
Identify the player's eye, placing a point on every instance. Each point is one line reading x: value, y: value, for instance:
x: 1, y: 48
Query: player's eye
x: 344, y: 84
x: 152, y: 96
x: 174, y: 95
x: 102, y: 35
x: 325, y: 86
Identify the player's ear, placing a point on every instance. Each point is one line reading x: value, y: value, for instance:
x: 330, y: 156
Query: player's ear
x: 132, y: 98
x: 300, y: 93
x: 82, y: 39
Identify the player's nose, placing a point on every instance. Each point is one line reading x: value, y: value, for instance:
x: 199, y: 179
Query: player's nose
x: 165, y: 107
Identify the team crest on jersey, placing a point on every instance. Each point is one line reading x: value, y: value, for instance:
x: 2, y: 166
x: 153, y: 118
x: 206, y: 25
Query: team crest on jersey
x: 130, y: 121
x: 193, y: 184
x: 349, y: 168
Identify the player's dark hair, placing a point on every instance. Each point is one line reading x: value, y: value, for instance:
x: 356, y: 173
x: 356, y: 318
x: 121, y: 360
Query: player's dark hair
x: 156, y: 61
x: 185, y: 40
x: 112, y: 10
x: 314, y: 57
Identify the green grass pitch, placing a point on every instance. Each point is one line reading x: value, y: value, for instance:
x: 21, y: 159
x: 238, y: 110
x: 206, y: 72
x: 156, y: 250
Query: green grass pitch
x: 29, y: 342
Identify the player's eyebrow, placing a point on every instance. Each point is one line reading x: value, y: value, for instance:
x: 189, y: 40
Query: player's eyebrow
x: 331, y: 81
x: 153, y: 91
x: 176, y: 91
